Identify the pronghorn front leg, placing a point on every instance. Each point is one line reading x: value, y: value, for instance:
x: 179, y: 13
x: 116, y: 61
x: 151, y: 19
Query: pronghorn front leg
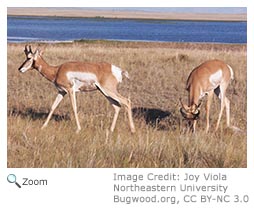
x: 58, y: 99
x: 74, y: 106
x: 208, y: 105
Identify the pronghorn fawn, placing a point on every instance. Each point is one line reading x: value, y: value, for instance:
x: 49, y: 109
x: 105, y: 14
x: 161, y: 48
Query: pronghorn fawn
x: 210, y: 77
x: 72, y: 77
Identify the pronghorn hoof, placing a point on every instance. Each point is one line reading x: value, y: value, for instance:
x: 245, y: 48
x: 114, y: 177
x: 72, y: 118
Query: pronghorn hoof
x: 133, y: 130
x: 236, y: 129
x: 78, y: 130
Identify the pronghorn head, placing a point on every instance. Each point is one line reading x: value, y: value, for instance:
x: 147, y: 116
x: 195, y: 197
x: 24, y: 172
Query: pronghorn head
x: 30, y: 59
x: 190, y: 112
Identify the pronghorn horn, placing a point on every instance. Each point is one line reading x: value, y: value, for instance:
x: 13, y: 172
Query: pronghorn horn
x: 185, y: 107
x: 30, y: 49
x: 26, y: 50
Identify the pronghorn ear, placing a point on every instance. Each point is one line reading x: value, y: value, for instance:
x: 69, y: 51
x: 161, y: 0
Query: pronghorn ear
x: 40, y: 51
x: 36, y: 53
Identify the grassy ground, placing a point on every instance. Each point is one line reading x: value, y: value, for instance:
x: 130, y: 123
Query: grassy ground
x: 158, y: 72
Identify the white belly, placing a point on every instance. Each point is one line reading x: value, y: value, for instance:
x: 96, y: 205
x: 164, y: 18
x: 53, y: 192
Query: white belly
x: 82, y: 81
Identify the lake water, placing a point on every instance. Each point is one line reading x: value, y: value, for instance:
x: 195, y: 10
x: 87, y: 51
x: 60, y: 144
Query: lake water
x: 49, y: 29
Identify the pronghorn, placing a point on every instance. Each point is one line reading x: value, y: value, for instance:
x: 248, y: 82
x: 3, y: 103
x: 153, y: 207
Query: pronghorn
x: 210, y: 77
x: 72, y: 77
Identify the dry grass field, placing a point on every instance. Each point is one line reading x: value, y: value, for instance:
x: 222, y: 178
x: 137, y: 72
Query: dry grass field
x: 158, y: 72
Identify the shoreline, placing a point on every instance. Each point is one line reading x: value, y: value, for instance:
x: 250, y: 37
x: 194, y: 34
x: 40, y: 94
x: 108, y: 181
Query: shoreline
x: 108, y: 41
x: 137, y: 44
x: 87, y: 41
x: 129, y: 18
x: 114, y: 14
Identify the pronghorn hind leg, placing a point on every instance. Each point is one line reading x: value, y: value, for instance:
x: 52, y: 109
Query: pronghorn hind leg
x: 220, y: 114
x: 109, y: 95
x: 113, y: 125
x: 127, y: 103
x: 220, y: 92
x: 57, y: 101
x: 227, y: 104
x: 116, y: 99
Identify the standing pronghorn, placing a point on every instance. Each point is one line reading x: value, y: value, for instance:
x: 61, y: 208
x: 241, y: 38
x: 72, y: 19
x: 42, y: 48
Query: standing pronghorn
x: 210, y: 77
x: 72, y: 77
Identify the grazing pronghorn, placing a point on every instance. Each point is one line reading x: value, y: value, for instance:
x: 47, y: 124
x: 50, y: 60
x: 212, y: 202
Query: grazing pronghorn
x: 210, y: 77
x: 72, y: 77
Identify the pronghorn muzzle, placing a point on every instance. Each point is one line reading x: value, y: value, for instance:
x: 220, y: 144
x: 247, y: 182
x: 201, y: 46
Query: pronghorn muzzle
x: 188, y: 112
x: 28, y: 63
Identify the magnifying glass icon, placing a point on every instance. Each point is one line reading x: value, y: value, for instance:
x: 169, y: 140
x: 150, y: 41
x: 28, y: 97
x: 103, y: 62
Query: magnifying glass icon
x: 11, y: 178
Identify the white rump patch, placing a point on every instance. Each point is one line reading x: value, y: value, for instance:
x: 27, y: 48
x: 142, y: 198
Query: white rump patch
x: 231, y: 72
x: 117, y: 72
x: 215, y: 78
x: 81, y: 79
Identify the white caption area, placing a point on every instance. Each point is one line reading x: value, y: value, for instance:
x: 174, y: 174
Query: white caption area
x: 129, y: 189
x: 174, y: 188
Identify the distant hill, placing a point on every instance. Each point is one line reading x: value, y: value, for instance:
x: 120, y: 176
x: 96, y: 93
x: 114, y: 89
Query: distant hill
x: 127, y: 13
